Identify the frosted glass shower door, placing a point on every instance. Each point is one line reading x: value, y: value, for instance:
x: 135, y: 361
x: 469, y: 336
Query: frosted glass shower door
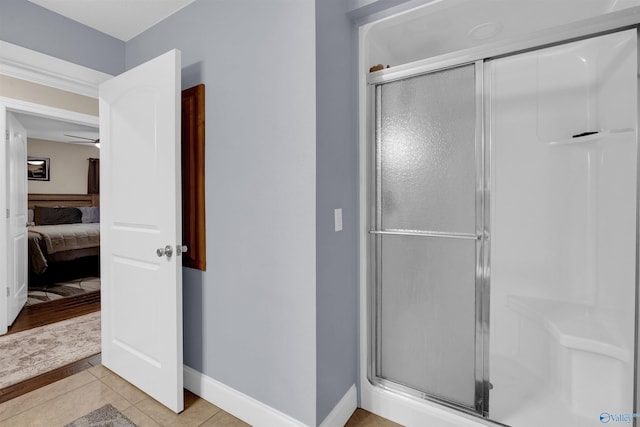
x: 425, y: 243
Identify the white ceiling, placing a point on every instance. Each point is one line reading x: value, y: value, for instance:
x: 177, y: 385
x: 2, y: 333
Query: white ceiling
x: 122, y: 19
x: 56, y: 130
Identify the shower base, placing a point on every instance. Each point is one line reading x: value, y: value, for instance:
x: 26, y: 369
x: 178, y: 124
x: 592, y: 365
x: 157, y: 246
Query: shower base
x: 521, y: 399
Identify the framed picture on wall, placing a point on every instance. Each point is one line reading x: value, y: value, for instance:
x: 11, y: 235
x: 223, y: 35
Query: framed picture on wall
x: 38, y: 168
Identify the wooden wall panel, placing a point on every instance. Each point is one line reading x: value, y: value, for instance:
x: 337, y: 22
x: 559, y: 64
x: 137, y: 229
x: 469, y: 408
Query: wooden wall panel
x: 193, y: 195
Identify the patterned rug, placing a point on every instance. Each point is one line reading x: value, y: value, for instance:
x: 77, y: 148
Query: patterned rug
x: 27, y: 354
x: 107, y: 416
x: 44, y: 293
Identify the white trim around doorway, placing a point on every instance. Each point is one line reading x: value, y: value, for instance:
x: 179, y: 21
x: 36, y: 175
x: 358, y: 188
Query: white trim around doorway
x: 36, y: 67
x: 26, y: 64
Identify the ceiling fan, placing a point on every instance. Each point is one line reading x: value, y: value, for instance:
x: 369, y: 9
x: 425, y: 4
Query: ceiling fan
x: 93, y: 141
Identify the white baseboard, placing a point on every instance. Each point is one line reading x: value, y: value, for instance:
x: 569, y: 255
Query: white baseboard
x: 234, y: 402
x: 341, y: 413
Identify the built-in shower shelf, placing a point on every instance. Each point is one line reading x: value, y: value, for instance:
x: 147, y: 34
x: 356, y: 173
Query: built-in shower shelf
x: 575, y: 326
x: 593, y: 138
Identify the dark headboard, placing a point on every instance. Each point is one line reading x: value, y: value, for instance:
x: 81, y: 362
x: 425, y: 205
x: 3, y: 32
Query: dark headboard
x: 51, y: 200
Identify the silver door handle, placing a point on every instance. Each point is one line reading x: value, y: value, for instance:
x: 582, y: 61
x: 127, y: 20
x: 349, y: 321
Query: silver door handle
x: 181, y: 249
x: 167, y: 250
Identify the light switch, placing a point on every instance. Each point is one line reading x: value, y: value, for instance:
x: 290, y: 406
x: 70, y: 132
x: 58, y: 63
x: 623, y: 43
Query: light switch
x: 337, y: 217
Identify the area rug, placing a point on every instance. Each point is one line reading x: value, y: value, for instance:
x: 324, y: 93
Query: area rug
x: 44, y: 293
x: 107, y: 416
x: 29, y: 353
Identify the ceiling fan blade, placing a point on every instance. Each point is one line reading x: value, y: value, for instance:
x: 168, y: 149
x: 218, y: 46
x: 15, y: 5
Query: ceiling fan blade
x: 94, y: 141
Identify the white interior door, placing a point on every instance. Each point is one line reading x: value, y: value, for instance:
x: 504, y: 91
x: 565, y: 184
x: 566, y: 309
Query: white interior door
x: 16, y: 157
x: 140, y: 214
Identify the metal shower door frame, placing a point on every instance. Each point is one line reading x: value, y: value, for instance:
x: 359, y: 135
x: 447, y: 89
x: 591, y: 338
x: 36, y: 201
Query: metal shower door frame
x: 481, y: 237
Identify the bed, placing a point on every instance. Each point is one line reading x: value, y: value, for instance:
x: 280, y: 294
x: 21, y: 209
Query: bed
x: 63, y: 236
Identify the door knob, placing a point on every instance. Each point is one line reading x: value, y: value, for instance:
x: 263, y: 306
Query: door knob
x: 181, y: 249
x: 167, y: 250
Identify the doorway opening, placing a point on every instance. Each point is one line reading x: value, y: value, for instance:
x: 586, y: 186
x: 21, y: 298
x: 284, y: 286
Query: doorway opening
x: 63, y: 189
x: 63, y: 278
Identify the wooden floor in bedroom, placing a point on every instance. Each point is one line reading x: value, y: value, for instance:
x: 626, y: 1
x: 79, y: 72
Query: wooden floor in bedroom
x: 56, y: 311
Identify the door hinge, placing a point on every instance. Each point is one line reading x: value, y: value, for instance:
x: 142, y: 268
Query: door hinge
x: 6, y: 135
x: 8, y: 213
x: 8, y: 292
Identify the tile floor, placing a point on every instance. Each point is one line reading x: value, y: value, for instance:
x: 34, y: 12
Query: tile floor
x: 64, y: 401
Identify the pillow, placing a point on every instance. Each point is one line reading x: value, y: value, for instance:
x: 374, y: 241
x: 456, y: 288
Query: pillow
x: 90, y: 214
x: 30, y: 217
x: 53, y: 216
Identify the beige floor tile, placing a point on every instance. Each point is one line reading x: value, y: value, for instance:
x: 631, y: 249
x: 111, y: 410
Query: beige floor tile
x: 124, y: 388
x: 98, y: 371
x: 139, y: 418
x: 224, y: 419
x: 195, y: 413
x: 68, y: 407
x: 362, y: 418
x: 37, y: 397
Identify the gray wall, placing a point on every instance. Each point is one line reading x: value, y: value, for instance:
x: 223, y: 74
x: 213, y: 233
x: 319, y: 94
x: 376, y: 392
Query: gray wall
x: 250, y: 319
x: 336, y: 187
x: 25, y: 24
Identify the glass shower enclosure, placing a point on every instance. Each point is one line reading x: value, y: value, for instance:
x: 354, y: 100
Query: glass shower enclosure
x: 503, y: 234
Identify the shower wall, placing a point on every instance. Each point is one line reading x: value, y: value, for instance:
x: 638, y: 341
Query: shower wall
x: 563, y: 231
